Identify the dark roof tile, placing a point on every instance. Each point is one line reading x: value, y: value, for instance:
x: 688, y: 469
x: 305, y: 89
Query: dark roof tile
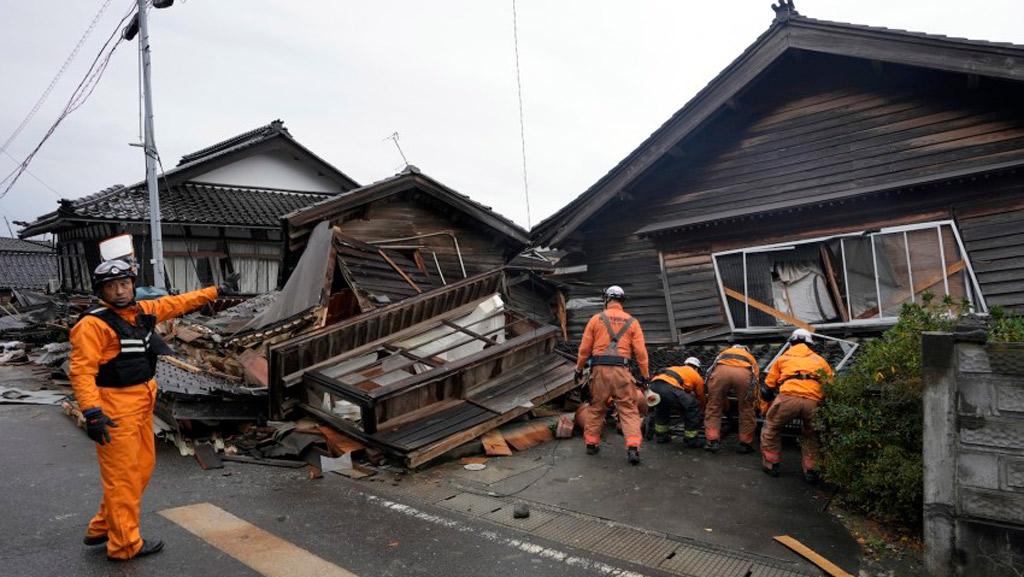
x: 27, y: 270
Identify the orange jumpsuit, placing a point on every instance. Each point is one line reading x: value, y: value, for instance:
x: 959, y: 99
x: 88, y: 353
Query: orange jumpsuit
x: 126, y: 462
x: 734, y: 371
x: 687, y: 396
x: 613, y: 382
x: 799, y: 395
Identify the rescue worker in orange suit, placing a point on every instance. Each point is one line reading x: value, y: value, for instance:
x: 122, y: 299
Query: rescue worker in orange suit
x: 798, y: 374
x: 113, y: 360
x: 612, y: 344
x: 680, y: 388
x: 735, y: 370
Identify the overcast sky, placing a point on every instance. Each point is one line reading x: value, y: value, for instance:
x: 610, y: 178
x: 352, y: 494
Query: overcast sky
x: 598, y: 77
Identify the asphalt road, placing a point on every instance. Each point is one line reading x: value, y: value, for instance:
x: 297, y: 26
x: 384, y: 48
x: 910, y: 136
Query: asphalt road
x: 50, y: 487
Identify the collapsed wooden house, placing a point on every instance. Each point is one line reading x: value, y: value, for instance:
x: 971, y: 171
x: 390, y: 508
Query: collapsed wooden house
x: 447, y: 234
x: 421, y: 376
x: 828, y: 175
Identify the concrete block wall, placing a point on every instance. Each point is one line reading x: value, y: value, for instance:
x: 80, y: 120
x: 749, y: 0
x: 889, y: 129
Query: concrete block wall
x: 974, y: 457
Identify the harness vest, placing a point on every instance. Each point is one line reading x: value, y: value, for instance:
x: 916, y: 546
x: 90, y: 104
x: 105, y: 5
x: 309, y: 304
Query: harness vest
x: 613, y: 359
x: 676, y: 376
x: 140, y: 348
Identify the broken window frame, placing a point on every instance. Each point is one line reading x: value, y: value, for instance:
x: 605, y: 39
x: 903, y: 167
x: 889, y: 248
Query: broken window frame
x: 884, y: 316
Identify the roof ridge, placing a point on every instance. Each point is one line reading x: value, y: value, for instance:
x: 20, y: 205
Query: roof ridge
x: 275, y: 127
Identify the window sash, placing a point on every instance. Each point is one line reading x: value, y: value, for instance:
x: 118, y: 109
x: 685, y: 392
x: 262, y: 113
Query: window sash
x: 885, y: 311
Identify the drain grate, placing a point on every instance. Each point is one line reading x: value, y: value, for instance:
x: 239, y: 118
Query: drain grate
x: 657, y: 551
x: 537, y: 518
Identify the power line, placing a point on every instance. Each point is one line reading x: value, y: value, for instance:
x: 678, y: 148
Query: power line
x: 81, y: 94
x: 33, y: 175
x: 57, y: 77
x: 522, y: 126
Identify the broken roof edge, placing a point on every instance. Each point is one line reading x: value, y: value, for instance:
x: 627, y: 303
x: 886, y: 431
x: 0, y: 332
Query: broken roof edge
x: 794, y: 32
x: 410, y: 177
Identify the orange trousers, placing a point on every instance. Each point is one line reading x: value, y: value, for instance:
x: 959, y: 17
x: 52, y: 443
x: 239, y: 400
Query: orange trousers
x: 723, y: 379
x: 616, y: 383
x: 126, y: 465
x: 783, y: 410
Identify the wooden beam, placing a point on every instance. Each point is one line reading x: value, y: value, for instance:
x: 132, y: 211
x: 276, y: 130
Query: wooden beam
x: 400, y: 272
x: 769, y: 310
x: 918, y: 288
x: 824, y: 564
x: 833, y: 286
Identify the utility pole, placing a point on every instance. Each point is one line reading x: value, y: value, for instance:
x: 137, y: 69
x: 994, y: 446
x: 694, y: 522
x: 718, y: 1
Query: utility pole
x: 155, y: 231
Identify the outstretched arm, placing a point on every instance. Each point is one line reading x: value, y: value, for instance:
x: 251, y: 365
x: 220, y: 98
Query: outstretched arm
x: 169, y: 307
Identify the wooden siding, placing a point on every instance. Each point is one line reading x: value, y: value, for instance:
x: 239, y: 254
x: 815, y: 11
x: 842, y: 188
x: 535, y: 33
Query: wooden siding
x: 397, y: 217
x: 995, y: 244
x: 835, y: 136
x: 693, y: 290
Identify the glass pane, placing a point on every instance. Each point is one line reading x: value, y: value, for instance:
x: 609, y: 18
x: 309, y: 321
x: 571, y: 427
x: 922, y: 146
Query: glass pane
x: 954, y: 260
x: 859, y: 277
x: 893, y: 274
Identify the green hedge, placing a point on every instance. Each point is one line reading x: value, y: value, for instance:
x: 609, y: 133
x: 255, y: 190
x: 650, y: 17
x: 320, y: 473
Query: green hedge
x: 871, y: 419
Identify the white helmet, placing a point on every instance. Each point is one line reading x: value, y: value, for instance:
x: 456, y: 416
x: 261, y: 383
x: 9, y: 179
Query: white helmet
x: 739, y: 346
x: 801, y: 336
x: 614, y: 292
x: 693, y: 362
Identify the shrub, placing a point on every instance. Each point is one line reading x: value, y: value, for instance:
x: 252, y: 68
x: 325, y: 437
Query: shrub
x: 871, y: 421
x: 1005, y: 326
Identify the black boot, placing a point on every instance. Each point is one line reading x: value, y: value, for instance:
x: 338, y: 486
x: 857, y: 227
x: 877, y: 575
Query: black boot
x: 149, y: 547
x: 592, y: 449
x: 633, y: 454
x: 812, y: 476
x: 712, y: 446
x: 93, y: 541
x: 662, y: 438
x: 691, y: 443
x: 772, y: 469
x: 744, y: 448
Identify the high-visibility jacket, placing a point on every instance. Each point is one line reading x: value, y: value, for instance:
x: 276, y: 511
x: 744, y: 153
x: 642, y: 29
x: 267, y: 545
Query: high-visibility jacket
x: 597, y: 338
x: 94, y: 343
x: 796, y: 373
x: 739, y: 357
x: 686, y: 378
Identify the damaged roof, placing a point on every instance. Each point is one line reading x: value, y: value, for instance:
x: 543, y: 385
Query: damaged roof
x: 186, y: 203
x: 409, y: 179
x: 790, y: 31
x: 377, y: 275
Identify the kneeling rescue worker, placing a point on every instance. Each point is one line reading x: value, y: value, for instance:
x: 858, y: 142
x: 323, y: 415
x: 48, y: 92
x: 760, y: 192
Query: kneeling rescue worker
x: 681, y: 388
x: 798, y: 374
x: 612, y: 344
x: 735, y: 370
x: 114, y: 352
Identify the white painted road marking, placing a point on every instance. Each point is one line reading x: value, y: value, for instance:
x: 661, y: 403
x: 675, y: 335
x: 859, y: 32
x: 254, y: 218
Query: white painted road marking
x: 264, y: 552
x: 522, y: 545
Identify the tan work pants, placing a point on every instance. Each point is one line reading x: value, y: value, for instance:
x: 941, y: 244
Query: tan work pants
x: 723, y: 379
x: 616, y: 383
x: 783, y: 410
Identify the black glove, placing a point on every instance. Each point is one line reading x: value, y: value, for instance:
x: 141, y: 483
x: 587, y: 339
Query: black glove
x: 577, y: 377
x: 96, y: 424
x: 230, y: 285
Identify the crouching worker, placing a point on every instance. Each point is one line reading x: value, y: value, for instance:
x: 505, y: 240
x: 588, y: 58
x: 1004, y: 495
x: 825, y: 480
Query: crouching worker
x: 114, y: 352
x: 612, y: 343
x: 798, y: 374
x: 680, y: 389
x: 734, y: 371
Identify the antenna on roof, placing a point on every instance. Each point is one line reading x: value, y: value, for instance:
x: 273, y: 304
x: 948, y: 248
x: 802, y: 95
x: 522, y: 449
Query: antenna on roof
x: 394, y: 138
